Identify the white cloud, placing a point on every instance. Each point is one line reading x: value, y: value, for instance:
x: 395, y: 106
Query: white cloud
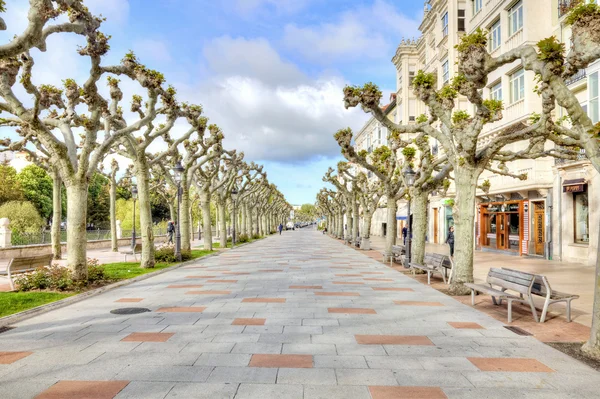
x: 269, y: 109
x: 362, y: 33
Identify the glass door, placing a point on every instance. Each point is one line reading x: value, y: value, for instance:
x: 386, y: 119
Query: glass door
x: 501, y: 230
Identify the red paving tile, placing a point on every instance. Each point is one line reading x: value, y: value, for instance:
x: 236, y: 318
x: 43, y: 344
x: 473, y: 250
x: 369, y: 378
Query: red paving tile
x: 11, y: 357
x: 148, y: 337
x: 208, y: 292
x: 306, y: 287
x: 393, y: 340
x: 264, y: 300
x: 509, y: 364
x: 418, y: 303
x: 384, y: 392
x: 190, y: 309
x: 83, y: 389
x: 282, y: 361
x: 392, y: 289
x: 222, y: 281
x: 185, y: 286
x: 465, y: 325
x: 236, y: 273
x: 337, y: 294
x: 352, y: 310
x: 248, y: 322
x: 130, y: 300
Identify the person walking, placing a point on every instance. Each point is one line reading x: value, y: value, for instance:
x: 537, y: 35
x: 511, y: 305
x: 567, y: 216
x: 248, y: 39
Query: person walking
x: 404, y: 234
x: 280, y: 228
x: 170, y: 231
x: 450, y: 241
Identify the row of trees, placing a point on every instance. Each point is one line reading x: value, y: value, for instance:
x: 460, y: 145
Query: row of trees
x: 464, y: 156
x: 72, y: 131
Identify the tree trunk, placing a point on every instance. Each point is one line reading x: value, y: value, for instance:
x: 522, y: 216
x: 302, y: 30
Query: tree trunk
x: 355, y: 219
x: 205, y: 203
x: 77, y: 193
x: 592, y: 346
x: 113, y: 215
x: 464, y: 235
x: 367, y: 225
x: 222, y: 223
x: 390, y: 238
x: 145, y: 211
x: 172, y: 211
x: 185, y: 216
x: 243, y: 223
x: 419, y: 226
x: 56, y: 215
x: 340, y: 232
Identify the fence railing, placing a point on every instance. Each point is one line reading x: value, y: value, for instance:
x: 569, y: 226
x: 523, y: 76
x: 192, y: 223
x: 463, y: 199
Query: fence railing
x: 44, y: 237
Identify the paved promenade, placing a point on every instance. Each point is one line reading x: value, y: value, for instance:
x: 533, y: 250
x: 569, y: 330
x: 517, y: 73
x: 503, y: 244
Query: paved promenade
x: 292, y: 316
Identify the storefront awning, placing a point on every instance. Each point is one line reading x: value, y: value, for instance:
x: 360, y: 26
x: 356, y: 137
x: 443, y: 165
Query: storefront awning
x: 574, y: 186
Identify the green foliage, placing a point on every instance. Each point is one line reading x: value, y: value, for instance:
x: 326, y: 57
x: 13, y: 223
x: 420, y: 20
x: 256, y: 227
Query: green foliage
x: 485, y: 186
x: 36, y: 185
x: 581, y: 11
x: 381, y: 154
x: 409, y: 153
x: 256, y: 236
x: 10, y: 187
x: 53, y: 278
x: 14, y: 302
x: 242, y: 238
x: 493, y: 105
x: 422, y: 118
x: 478, y: 38
x: 448, y: 92
x: 125, y: 214
x: 24, y: 218
x: 535, y: 118
x: 424, y: 80
x: 551, y: 50
x: 460, y: 116
x: 2, y: 6
x: 363, y: 153
x: 113, y: 82
x: 98, y: 204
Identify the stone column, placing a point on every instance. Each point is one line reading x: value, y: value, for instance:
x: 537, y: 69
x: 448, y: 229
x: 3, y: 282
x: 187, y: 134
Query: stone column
x: 5, y: 233
x: 119, y: 230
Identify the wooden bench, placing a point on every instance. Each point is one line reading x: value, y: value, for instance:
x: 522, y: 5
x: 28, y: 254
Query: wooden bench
x: 26, y: 264
x: 135, y: 251
x: 398, y: 252
x: 501, y: 280
x: 433, y: 263
x: 541, y: 287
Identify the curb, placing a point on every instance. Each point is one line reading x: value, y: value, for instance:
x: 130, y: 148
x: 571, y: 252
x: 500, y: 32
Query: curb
x: 29, y: 313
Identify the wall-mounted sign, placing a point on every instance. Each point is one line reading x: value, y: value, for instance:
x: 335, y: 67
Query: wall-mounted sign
x: 575, y: 188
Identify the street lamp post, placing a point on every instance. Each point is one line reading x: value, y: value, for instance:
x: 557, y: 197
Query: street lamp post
x: 178, y: 171
x: 134, y: 193
x: 409, y: 177
x: 234, y: 194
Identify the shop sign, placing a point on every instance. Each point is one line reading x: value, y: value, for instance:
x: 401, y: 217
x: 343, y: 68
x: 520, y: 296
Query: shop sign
x: 575, y: 188
x: 503, y: 208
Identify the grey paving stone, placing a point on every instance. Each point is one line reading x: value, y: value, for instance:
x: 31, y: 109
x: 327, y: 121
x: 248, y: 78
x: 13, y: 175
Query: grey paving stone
x: 306, y: 376
x: 257, y: 375
x: 235, y: 338
x: 360, y: 350
x: 320, y: 322
x: 218, y: 359
x: 257, y: 348
x: 25, y: 389
x: 510, y: 379
x: 285, y: 338
x: 309, y: 349
x: 394, y: 362
x: 203, y: 391
x: 145, y: 390
x: 432, y: 378
x: 303, y: 329
x: 365, y: 377
x: 336, y: 392
x: 340, y: 362
x: 208, y: 347
x: 266, y: 391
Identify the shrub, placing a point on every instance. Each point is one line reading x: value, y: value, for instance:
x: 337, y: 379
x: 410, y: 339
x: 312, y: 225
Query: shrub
x: 243, y: 238
x: 166, y: 254
x: 54, y: 277
x: 24, y: 218
x: 256, y: 236
x: 95, y: 271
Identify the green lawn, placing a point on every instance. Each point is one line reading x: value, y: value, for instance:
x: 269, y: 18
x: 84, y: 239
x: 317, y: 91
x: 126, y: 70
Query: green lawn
x: 125, y: 270
x: 14, y: 302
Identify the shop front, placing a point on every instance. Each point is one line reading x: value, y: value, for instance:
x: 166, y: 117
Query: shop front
x: 502, y: 226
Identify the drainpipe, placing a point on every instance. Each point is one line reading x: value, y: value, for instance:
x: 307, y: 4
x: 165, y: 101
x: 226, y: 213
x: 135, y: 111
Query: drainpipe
x: 549, y: 205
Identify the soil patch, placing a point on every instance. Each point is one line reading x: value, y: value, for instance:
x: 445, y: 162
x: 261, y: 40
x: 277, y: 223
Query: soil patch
x: 573, y: 349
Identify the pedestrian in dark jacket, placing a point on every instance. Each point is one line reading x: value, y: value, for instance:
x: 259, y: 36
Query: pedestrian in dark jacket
x: 404, y: 234
x: 280, y: 228
x: 170, y: 231
x: 450, y: 240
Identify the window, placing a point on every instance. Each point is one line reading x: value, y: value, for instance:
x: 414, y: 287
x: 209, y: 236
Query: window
x: 445, y: 25
x: 515, y: 18
x: 496, y: 91
x: 594, y: 113
x: 495, y: 36
x: 461, y: 21
x: 384, y: 135
x: 411, y: 77
x: 477, y: 6
x: 445, y: 72
x: 517, y: 86
x: 582, y: 218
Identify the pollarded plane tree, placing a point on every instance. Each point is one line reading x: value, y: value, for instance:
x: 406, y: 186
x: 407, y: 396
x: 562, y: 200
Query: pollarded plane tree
x: 344, y: 185
x: 223, y: 183
x: 326, y: 209
x: 249, y: 173
x: 249, y: 204
x: 262, y: 203
x: 162, y: 187
x: 276, y: 201
x: 56, y: 117
x: 459, y: 133
x: 553, y: 68
x: 111, y: 175
x: 384, y: 162
x: 369, y: 195
x: 336, y: 204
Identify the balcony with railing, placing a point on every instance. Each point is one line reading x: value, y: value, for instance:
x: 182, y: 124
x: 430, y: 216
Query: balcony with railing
x: 581, y: 74
x: 561, y: 161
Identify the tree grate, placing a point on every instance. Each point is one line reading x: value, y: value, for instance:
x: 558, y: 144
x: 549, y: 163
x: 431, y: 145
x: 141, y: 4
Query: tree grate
x: 129, y: 310
x: 5, y: 329
x: 518, y: 331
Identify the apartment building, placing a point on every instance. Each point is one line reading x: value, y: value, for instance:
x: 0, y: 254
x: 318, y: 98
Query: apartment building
x: 547, y: 214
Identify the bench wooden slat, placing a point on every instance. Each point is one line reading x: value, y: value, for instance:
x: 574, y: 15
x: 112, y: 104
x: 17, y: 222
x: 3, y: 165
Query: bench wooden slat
x: 26, y: 264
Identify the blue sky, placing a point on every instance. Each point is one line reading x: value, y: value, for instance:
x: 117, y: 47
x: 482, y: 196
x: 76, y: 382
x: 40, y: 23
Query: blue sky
x: 269, y: 72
